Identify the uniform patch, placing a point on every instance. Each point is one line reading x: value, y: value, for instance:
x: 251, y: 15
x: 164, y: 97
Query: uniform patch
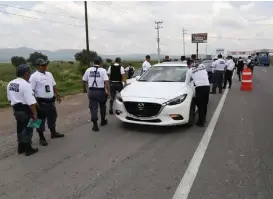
x: 94, y: 74
x: 14, y: 87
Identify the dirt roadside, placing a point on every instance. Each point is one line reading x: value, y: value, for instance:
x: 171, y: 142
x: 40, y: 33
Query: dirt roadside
x: 72, y: 112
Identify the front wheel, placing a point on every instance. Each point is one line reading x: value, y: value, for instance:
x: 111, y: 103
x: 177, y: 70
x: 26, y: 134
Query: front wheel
x: 191, y: 114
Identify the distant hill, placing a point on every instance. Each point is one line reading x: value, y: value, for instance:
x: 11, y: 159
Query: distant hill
x: 66, y: 54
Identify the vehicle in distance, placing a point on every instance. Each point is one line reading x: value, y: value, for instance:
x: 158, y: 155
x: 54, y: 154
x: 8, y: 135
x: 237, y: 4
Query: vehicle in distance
x: 159, y: 97
x: 208, y: 64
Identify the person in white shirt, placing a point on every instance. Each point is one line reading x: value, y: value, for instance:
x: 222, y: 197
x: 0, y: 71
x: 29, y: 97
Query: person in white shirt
x: 146, y: 64
x: 229, y: 72
x: 98, y: 90
x: 218, y: 76
x: 45, y: 91
x: 117, y: 80
x: 199, y: 74
x: 130, y: 70
x: 23, y: 102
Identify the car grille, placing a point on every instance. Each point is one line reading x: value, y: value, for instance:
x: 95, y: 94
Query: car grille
x: 144, y: 109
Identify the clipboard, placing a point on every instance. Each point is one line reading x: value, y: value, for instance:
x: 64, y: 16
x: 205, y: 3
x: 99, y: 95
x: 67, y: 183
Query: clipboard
x: 34, y: 124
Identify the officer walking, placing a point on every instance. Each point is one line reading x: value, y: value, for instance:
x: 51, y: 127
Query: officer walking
x: 130, y: 70
x: 44, y: 87
x: 98, y: 91
x: 23, y: 102
x: 117, y: 80
x: 146, y: 64
x: 229, y: 72
x: 199, y: 75
x: 218, y: 76
x: 240, y: 67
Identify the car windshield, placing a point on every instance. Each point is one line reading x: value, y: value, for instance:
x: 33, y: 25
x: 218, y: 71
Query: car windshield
x: 165, y: 74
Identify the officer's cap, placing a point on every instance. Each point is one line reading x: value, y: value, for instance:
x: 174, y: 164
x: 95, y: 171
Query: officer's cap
x: 118, y: 60
x: 22, y: 69
x: 41, y: 62
x: 98, y: 60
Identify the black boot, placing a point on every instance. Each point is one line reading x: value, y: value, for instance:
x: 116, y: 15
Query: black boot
x: 111, y: 112
x: 21, y: 148
x: 29, y: 150
x: 103, y: 122
x: 43, y: 141
x: 55, y: 134
x: 95, y: 126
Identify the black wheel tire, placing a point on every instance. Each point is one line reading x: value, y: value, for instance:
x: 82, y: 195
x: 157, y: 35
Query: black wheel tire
x: 191, y: 115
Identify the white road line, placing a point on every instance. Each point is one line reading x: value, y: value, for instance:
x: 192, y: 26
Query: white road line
x: 186, y: 183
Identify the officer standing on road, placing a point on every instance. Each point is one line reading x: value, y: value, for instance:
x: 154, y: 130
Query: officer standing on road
x: 44, y: 87
x: 200, y: 78
x: 130, y: 70
x: 219, y: 71
x: 240, y: 67
x: 229, y: 72
x: 99, y: 89
x: 250, y: 63
x: 23, y: 102
x: 117, y: 80
x: 146, y: 64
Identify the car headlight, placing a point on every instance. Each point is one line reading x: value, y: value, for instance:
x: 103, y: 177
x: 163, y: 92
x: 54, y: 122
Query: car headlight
x: 119, y: 98
x: 177, y: 100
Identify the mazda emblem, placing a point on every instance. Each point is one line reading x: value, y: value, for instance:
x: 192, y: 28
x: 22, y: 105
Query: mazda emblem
x: 140, y: 106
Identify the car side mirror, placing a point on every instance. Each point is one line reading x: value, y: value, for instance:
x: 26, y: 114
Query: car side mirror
x: 137, y: 78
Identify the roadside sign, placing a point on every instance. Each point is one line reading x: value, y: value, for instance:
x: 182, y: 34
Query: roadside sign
x: 199, y: 38
x: 220, y: 51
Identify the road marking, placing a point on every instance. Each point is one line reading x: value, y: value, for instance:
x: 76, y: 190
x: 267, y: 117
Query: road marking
x: 186, y: 183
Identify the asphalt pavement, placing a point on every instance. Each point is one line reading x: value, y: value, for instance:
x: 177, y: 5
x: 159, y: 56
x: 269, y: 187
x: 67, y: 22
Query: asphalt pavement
x: 142, y: 162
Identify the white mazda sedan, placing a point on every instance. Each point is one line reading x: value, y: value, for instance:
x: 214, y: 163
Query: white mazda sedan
x: 158, y: 97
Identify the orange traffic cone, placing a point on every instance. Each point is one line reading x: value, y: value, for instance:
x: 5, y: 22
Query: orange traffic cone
x: 246, y: 80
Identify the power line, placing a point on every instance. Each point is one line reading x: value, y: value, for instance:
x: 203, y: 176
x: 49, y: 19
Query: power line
x: 40, y: 19
x: 69, y: 16
x: 158, y: 23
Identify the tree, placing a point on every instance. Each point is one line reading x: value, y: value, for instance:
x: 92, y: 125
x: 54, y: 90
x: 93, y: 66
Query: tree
x: 17, y: 60
x: 34, y: 56
x: 108, y: 60
x: 83, y: 56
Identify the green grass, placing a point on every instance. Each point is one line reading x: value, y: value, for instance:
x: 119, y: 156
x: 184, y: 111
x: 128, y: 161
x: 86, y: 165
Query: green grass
x: 67, y: 77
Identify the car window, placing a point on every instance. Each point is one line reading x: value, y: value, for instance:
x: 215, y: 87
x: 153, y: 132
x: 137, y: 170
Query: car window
x: 137, y: 73
x: 165, y: 74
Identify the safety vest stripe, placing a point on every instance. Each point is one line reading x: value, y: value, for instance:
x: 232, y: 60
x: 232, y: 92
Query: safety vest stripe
x: 246, y: 73
x: 247, y: 81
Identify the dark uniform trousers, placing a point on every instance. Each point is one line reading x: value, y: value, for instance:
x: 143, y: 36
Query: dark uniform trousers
x: 47, y: 111
x: 239, y: 72
x: 97, y: 98
x: 22, y: 114
x: 228, y: 78
x: 202, y: 100
x: 114, y: 88
x: 218, y: 80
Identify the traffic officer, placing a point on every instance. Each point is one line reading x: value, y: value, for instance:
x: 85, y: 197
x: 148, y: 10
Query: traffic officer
x: 146, y: 64
x: 250, y: 63
x: 130, y: 70
x: 167, y: 59
x: 117, y: 80
x: 218, y: 76
x: 23, y: 102
x: 98, y: 90
x: 240, y: 67
x: 229, y: 72
x: 44, y: 87
x: 199, y: 74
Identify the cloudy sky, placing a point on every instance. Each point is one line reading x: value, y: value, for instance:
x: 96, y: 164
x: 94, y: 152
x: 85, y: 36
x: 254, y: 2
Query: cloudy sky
x: 129, y: 27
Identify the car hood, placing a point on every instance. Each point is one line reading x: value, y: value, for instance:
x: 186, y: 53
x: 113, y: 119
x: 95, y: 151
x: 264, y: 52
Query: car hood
x: 156, y: 90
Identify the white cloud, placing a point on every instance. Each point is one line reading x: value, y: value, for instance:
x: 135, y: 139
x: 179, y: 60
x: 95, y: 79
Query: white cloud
x: 128, y: 27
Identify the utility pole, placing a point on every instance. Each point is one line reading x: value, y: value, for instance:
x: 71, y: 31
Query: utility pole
x: 158, y: 23
x: 86, y: 33
x: 184, y: 32
x: 206, y: 49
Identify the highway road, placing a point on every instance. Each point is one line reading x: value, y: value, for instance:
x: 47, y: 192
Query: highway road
x: 231, y: 158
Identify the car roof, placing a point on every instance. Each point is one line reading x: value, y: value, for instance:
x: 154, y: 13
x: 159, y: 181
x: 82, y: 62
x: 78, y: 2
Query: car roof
x: 172, y: 63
